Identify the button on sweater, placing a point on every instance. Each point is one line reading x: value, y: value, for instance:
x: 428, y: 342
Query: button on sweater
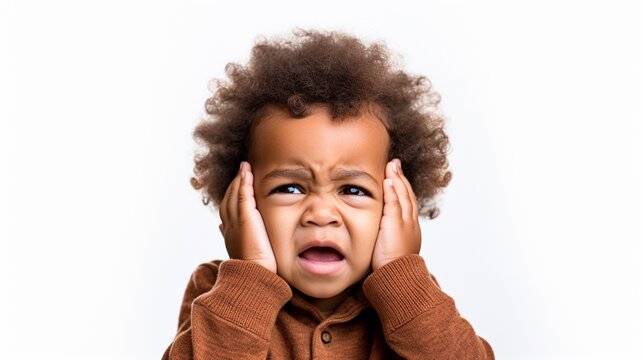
x: 239, y: 310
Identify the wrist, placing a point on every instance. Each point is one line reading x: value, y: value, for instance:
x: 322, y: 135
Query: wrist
x: 267, y: 264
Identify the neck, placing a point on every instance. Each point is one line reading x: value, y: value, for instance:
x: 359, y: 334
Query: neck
x: 328, y: 306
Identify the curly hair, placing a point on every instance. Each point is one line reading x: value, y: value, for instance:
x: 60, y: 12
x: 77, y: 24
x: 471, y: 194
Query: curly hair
x: 336, y: 70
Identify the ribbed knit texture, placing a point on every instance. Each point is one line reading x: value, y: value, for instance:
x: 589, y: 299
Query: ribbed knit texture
x: 239, y: 310
x: 242, y: 302
x: 408, y: 276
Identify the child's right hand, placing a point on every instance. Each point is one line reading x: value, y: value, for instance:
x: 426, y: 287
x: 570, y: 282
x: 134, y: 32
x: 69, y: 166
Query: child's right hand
x: 242, y: 225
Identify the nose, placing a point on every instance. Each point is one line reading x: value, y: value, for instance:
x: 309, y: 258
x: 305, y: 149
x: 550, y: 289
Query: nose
x: 321, y: 211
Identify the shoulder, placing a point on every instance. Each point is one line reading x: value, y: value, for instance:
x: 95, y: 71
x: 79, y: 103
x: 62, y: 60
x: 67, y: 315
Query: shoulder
x: 205, y: 275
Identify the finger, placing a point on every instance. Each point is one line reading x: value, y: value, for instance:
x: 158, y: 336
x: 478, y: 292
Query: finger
x: 394, y: 173
x: 409, y: 188
x: 233, y: 199
x: 246, y: 192
x: 391, y: 202
x: 223, y: 206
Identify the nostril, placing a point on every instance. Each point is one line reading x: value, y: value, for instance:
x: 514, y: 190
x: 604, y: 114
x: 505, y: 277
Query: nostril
x: 320, y: 212
x: 324, y: 222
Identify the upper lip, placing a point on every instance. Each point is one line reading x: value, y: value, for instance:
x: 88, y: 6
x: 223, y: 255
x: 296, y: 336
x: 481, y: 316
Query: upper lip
x: 320, y: 243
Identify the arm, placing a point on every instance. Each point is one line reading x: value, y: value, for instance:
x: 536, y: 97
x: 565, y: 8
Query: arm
x: 418, y: 319
x: 228, y: 311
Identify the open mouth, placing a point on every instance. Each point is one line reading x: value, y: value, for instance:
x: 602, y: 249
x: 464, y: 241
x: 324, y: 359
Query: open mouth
x: 321, y: 254
x: 321, y: 261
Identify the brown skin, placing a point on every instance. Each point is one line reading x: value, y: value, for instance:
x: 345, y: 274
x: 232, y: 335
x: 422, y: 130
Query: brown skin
x: 315, y: 179
x: 343, y: 73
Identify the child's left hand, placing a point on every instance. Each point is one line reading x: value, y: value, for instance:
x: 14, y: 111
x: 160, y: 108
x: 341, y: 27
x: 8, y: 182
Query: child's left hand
x: 399, y: 233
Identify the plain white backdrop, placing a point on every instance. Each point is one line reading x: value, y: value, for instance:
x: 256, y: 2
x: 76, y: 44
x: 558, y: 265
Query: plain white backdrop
x: 540, y: 236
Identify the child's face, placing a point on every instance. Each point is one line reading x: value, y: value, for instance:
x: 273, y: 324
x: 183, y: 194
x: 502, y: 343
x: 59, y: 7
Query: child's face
x: 318, y: 187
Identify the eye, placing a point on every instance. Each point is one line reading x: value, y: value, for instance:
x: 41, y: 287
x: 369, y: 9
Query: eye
x: 288, y: 189
x: 354, y: 191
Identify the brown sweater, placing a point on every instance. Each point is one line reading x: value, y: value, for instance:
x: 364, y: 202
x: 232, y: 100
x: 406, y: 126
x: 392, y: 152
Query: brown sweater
x: 239, y: 310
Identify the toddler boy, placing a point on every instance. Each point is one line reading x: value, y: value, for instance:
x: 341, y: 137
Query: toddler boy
x: 321, y: 155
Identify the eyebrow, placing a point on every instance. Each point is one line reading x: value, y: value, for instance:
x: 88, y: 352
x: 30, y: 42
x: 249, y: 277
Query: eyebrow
x: 298, y: 173
x: 305, y: 174
x: 341, y: 174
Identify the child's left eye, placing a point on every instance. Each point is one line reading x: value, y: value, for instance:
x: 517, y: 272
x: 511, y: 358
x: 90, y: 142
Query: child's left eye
x: 354, y: 190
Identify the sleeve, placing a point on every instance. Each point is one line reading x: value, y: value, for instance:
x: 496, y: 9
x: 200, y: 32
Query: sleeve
x: 418, y: 319
x: 228, y: 312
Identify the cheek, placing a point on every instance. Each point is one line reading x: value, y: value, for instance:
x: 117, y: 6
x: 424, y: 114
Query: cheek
x: 365, y: 225
x: 280, y: 223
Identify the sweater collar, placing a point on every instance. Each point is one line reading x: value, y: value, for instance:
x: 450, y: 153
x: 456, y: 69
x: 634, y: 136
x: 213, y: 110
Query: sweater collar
x: 352, y: 306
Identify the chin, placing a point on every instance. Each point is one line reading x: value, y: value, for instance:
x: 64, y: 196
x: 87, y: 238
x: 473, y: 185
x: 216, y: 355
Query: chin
x: 322, y: 293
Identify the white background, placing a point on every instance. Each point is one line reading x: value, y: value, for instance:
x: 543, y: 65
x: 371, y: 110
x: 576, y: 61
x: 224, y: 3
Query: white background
x: 539, y: 240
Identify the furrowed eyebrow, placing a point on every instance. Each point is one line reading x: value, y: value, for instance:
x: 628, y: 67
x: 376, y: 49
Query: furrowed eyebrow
x: 299, y: 173
x: 345, y: 174
x: 305, y: 174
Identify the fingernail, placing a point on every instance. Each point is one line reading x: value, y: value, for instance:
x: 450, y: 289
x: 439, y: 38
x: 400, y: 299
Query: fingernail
x: 398, y: 164
x: 394, y: 167
x: 389, y: 182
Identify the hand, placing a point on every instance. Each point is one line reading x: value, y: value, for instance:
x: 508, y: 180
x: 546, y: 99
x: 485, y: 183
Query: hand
x: 399, y: 228
x: 241, y: 224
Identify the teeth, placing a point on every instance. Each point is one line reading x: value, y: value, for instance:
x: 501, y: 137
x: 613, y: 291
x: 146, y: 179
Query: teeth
x: 323, y: 254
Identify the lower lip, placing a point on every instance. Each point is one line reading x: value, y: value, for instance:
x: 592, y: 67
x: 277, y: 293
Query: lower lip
x: 320, y: 267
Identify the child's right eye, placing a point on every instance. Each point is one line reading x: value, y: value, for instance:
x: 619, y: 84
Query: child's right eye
x: 287, y: 189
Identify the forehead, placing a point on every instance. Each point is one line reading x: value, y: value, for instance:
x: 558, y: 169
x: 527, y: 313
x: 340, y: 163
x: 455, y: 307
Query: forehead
x: 317, y: 139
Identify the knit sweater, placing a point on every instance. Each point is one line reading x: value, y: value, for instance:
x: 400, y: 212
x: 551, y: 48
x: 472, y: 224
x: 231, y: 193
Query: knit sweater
x: 239, y: 310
